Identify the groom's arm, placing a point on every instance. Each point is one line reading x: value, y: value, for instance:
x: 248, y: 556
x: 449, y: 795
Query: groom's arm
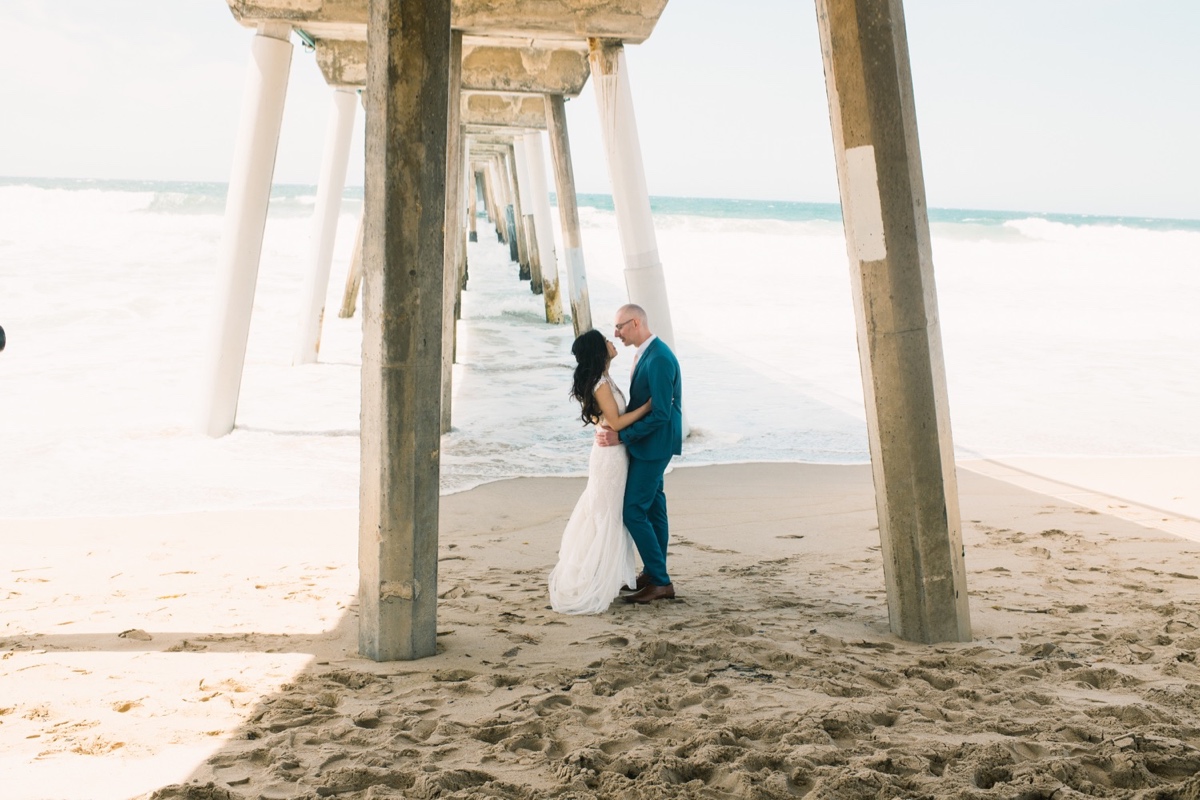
x: 660, y: 377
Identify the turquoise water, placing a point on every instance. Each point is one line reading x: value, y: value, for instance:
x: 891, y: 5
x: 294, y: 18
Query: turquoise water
x: 290, y: 199
x: 791, y: 211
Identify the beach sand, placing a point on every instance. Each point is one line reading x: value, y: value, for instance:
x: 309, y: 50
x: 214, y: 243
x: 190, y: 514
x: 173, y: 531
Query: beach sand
x: 213, y: 655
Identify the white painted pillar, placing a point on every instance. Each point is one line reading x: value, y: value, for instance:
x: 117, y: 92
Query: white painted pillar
x: 473, y: 209
x: 568, y: 213
x: 491, y: 194
x: 644, y: 279
x: 531, y: 266
x: 539, y: 194
x: 501, y: 188
x: 245, y: 219
x: 512, y: 213
x: 467, y: 233
x: 328, y: 208
x: 485, y: 186
x: 451, y: 224
x: 354, y: 276
x: 522, y: 246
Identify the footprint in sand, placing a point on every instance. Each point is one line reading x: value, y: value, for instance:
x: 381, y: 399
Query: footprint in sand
x: 552, y: 703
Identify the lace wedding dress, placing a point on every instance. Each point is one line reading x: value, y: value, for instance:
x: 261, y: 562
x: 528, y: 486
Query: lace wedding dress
x: 596, y: 557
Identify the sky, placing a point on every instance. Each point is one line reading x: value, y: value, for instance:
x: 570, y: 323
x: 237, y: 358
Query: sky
x: 1073, y: 106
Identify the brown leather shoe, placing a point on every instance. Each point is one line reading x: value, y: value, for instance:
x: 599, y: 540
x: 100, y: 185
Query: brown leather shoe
x: 651, y: 593
x: 641, y: 583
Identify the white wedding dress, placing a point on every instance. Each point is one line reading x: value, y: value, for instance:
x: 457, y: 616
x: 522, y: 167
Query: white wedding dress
x: 596, y: 557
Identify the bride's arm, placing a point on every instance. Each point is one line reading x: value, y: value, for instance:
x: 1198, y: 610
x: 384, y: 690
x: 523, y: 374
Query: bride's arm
x: 608, y: 405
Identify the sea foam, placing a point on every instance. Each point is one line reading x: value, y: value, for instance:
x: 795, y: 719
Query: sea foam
x: 1061, y: 336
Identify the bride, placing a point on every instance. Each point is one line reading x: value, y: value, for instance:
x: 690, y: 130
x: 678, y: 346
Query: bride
x: 596, y: 557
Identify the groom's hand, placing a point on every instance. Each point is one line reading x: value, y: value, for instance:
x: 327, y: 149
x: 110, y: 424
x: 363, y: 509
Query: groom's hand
x: 606, y: 437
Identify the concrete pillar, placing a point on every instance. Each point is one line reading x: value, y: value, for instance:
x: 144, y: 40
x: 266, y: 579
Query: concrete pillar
x: 501, y: 187
x: 473, y: 209
x: 520, y: 205
x: 485, y: 188
x: 354, y: 275
x: 568, y: 212
x: 408, y: 67
x: 498, y: 204
x: 452, y: 230
x: 644, y: 279
x: 462, y: 287
x: 492, y: 196
x: 245, y: 220
x: 531, y: 267
x: 874, y: 122
x: 535, y: 164
x: 511, y: 209
x: 495, y: 190
x: 466, y: 187
x: 328, y: 208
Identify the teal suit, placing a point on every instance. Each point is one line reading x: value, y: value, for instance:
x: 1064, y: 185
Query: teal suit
x: 651, y: 441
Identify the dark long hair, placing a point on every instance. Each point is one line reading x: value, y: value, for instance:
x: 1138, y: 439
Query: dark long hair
x: 591, y: 359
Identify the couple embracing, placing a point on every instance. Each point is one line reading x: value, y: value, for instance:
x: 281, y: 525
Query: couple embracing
x: 624, y: 505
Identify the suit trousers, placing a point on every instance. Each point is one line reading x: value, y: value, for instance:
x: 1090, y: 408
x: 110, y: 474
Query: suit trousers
x: 646, y: 515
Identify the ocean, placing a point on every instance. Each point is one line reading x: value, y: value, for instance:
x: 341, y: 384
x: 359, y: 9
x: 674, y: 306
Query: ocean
x: 1063, y: 335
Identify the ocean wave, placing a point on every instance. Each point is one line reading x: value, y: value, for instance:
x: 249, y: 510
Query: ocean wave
x: 20, y: 200
x: 1108, y: 230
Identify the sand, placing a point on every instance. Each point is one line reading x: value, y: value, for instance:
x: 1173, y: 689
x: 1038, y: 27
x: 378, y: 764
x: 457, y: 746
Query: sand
x: 213, y: 656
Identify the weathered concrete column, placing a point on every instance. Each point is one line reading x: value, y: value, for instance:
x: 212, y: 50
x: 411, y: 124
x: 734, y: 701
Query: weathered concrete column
x: 498, y: 201
x: 644, y: 279
x: 535, y: 164
x: 245, y: 220
x: 473, y: 209
x: 326, y: 211
x: 520, y: 204
x: 353, y: 276
x: 452, y: 230
x: 485, y: 180
x: 408, y: 67
x: 466, y: 187
x: 512, y: 208
x: 531, y: 267
x: 874, y: 122
x: 503, y: 200
x: 568, y: 212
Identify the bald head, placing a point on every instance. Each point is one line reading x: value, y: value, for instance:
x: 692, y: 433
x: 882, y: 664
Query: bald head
x: 631, y: 325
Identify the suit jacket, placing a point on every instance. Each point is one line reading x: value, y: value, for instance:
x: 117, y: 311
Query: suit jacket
x: 659, y: 434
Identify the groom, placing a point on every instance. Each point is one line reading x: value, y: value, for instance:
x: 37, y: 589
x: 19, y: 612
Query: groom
x: 651, y: 441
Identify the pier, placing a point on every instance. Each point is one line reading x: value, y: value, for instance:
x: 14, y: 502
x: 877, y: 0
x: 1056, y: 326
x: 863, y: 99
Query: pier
x: 458, y: 97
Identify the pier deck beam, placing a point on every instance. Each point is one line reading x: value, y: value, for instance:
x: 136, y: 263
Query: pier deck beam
x: 568, y: 212
x: 873, y: 116
x: 245, y: 221
x: 535, y: 165
x: 328, y: 207
x: 408, y: 67
x: 644, y: 280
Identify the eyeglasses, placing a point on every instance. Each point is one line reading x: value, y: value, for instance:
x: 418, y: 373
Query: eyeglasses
x: 623, y: 324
